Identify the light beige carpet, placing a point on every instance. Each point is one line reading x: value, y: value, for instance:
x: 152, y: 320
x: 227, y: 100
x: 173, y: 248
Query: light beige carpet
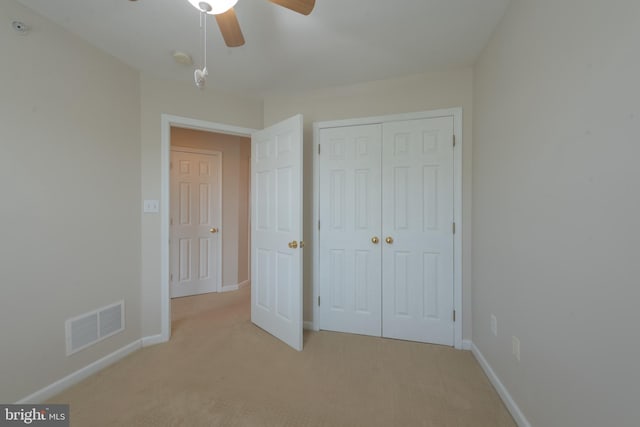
x: 221, y: 370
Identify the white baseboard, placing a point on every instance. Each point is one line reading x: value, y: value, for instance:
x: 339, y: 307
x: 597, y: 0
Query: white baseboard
x: 74, y: 378
x: 511, y: 405
x: 467, y: 344
x: 308, y: 325
x: 153, y: 340
x: 231, y: 288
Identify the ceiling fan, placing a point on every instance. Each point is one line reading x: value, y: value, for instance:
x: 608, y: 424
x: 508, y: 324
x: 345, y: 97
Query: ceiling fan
x: 228, y: 22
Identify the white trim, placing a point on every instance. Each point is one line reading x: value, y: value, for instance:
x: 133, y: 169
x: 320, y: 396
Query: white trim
x: 314, y: 226
x: 219, y: 160
x: 230, y: 288
x: 467, y: 344
x: 511, y: 405
x: 204, y: 151
x: 77, y: 376
x: 152, y: 340
x: 456, y: 114
x: 457, y: 218
x: 168, y: 120
x: 432, y: 114
x: 244, y: 283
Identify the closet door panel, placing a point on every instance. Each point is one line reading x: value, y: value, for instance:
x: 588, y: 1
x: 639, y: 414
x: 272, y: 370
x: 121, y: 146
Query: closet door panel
x: 350, y: 216
x: 417, y: 218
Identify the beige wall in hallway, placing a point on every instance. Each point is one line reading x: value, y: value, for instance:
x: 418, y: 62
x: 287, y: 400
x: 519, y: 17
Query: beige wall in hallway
x: 236, y: 152
x: 69, y: 223
x: 429, y: 91
x: 556, y: 206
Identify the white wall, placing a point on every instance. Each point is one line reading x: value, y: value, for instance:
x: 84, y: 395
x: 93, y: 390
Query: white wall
x: 69, y: 223
x: 236, y: 154
x: 181, y: 99
x: 421, y: 92
x: 556, y: 135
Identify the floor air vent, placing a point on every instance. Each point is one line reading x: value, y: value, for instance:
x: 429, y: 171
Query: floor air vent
x: 89, y: 328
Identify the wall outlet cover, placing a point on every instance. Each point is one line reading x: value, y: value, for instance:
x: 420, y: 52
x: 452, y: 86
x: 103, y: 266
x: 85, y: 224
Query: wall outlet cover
x: 515, y: 343
x: 151, y: 206
x: 494, y: 325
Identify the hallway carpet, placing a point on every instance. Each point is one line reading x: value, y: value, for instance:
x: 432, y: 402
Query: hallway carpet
x: 221, y: 370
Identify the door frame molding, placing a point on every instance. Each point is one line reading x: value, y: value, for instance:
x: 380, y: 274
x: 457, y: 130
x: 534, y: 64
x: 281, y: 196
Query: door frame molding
x: 167, y: 121
x: 218, y: 202
x: 456, y: 114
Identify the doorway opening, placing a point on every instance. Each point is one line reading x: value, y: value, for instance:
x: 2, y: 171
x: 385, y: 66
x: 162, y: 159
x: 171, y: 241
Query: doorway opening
x: 170, y: 126
x: 209, y: 212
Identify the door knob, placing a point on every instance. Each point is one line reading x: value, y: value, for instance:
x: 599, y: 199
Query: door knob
x: 293, y: 245
x: 389, y: 240
x: 213, y: 230
x: 375, y: 240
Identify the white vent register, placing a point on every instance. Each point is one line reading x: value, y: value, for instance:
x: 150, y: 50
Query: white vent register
x: 89, y: 328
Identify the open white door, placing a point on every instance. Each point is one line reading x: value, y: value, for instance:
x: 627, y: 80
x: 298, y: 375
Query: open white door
x: 276, y: 220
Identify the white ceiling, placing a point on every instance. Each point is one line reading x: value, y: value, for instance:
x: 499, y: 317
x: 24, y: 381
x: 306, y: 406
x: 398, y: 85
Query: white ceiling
x: 341, y: 42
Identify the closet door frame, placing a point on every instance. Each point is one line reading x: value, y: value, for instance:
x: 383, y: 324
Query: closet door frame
x: 456, y: 114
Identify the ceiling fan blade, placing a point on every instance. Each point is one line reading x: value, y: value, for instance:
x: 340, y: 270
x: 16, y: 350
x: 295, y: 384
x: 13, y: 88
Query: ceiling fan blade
x: 230, y: 28
x: 301, y: 6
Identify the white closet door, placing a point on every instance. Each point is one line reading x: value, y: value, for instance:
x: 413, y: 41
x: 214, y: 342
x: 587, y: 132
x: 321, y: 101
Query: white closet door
x: 350, y: 209
x: 417, y: 214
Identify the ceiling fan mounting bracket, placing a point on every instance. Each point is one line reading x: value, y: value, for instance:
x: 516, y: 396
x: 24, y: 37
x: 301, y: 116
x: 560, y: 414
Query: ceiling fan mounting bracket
x: 204, y: 6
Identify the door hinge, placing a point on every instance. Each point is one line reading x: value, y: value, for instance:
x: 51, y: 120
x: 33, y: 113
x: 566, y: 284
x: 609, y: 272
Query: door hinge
x: 318, y: 300
x: 318, y: 224
x: 454, y: 140
x: 454, y: 228
x: 171, y: 277
x: 318, y: 148
x: 170, y: 165
x: 171, y: 221
x: 454, y: 315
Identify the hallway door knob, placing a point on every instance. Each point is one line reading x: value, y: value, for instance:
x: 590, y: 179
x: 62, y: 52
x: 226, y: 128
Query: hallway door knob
x: 213, y: 230
x: 375, y: 240
x: 293, y: 245
x: 389, y: 240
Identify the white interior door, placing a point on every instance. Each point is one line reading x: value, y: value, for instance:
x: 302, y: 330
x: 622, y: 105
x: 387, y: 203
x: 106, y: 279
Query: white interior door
x: 350, y: 226
x: 195, y: 216
x: 417, y: 218
x: 276, y: 212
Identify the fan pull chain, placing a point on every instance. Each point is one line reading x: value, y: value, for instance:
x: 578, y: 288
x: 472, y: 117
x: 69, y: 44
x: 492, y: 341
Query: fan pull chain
x: 200, y: 76
x: 203, y: 17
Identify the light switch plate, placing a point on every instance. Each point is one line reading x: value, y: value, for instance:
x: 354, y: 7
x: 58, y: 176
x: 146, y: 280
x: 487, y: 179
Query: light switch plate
x: 151, y: 206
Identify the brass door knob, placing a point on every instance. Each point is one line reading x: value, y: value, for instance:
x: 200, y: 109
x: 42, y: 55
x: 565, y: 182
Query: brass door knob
x: 293, y: 245
x: 375, y: 240
x: 213, y: 230
x: 389, y: 240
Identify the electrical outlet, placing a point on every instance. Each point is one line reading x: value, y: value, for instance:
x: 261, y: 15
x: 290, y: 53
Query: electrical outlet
x: 494, y: 325
x: 515, y: 344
